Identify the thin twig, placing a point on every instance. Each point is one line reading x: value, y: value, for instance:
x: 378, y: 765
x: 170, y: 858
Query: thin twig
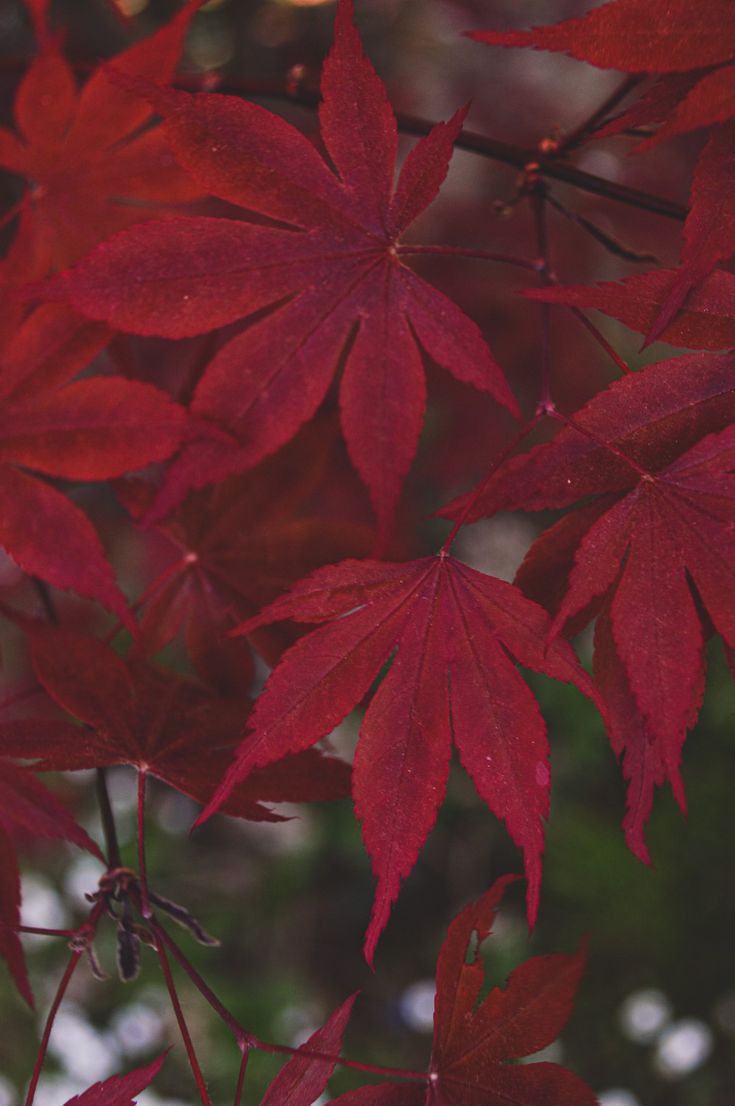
x: 183, y: 1027
x: 51, y: 1017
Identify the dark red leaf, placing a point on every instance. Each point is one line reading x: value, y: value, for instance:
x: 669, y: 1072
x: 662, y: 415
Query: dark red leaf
x: 333, y: 279
x: 119, y: 1090
x: 451, y: 630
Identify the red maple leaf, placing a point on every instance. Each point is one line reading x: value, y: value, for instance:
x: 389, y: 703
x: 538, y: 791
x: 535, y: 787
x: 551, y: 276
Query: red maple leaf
x: 163, y: 724
x: 119, y: 1090
x: 658, y: 542
x: 29, y: 809
x: 304, y: 1078
x: 91, y: 164
x: 231, y: 549
x: 454, y: 636
x: 474, y: 1038
x: 707, y: 321
x: 331, y: 273
x: 693, y: 47
x: 90, y: 429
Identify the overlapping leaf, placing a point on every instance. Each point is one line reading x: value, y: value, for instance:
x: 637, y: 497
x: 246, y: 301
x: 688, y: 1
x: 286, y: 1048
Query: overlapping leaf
x: 28, y: 809
x: 90, y: 429
x: 454, y: 636
x: 474, y: 1038
x: 692, y: 47
x: 658, y: 542
x: 161, y: 723
x: 91, y: 164
x: 234, y: 548
x: 707, y: 321
x: 331, y: 272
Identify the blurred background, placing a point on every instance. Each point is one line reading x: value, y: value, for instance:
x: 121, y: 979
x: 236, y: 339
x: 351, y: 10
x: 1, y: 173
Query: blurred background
x: 654, y: 1023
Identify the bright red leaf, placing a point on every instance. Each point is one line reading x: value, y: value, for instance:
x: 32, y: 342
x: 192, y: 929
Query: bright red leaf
x: 660, y: 546
x: 474, y: 1038
x: 454, y: 636
x: 119, y: 1090
x: 303, y: 1079
x: 332, y: 276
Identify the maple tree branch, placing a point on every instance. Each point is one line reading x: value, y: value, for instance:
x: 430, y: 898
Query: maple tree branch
x: 50, y: 1018
x: 183, y: 1027
x: 554, y: 166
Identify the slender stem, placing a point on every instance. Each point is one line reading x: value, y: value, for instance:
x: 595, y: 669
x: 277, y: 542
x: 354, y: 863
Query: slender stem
x: 183, y: 1027
x: 479, y: 255
x: 246, y: 1039
x: 243, y: 1038
x: 578, y: 135
x: 538, y: 202
x: 112, y: 846
x: 145, y: 906
x: 43, y: 1047
x: 354, y: 1065
x: 570, y: 422
x: 503, y: 456
x: 241, y: 1077
x: 599, y: 338
x: 41, y: 931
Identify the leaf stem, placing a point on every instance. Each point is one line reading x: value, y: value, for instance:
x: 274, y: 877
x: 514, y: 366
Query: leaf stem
x: 183, y: 1027
x: 247, y: 1040
x: 479, y: 255
x: 51, y: 1017
x: 599, y: 337
x: 241, y: 1077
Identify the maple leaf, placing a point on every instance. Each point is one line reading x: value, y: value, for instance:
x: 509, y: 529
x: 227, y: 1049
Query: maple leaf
x: 688, y: 37
x: 473, y: 1037
x: 90, y: 429
x: 91, y: 164
x: 119, y: 1090
x: 454, y: 636
x: 331, y: 273
x: 231, y: 549
x: 29, y: 809
x: 304, y: 1078
x: 163, y: 724
x: 658, y: 542
x: 707, y: 321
